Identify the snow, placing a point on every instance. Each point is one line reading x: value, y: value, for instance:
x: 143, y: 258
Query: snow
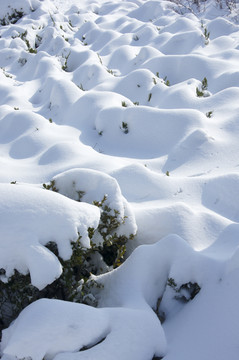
x: 38, y: 217
x: 75, y: 181
x: 74, y: 326
x: 100, y: 97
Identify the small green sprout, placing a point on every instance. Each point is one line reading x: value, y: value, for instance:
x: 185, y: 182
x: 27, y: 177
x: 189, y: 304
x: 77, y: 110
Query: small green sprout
x: 125, y: 127
x: 209, y: 114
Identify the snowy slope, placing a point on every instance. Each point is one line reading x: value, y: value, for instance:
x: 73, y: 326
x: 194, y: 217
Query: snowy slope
x: 137, y: 99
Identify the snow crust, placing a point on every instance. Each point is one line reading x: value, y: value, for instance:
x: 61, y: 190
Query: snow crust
x: 101, y: 97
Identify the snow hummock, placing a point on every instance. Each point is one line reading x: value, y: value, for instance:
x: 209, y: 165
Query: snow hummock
x: 31, y: 218
x: 65, y: 328
x: 93, y: 186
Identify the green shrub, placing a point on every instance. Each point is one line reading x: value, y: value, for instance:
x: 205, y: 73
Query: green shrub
x: 204, y: 84
x: 209, y: 114
x: 76, y: 282
x: 184, y: 292
x: 125, y: 127
x: 12, y: 18
x: 166, y: 81
x: 65, y: 66
x: 200, y: 91
x: 206, y: 36
x: 114, y: 246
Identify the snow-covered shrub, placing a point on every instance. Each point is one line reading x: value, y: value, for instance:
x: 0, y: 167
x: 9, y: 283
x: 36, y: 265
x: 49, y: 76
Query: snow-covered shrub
x: 12, y: 11
x: 62, y: 267
x: 124, y: 326
x: 201, y: 90
x: 30, y: 219
x: 184, y: 292
x: 117, y: 226
x: 12, y: 17
x: 108, y: 242
x: 117, y: 223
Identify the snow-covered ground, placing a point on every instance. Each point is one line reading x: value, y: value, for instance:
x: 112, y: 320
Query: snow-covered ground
x: 137, y: 100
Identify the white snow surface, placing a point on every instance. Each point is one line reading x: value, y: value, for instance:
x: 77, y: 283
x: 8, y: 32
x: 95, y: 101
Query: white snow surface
x: 94, y: 186
x: 29, y: 219
x: 101, y: 97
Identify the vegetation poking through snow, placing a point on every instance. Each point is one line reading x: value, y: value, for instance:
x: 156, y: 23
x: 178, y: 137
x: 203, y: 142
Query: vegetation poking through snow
x: 206, y: 35
x: 184, y: 292
x: 72, y: 285
x: 12, y: 17
x: 201, y: 90
x: 75, y: 284
x: 81, y: 87
x: 125, y: 127
x: 114, y: 245
x: 52, y: 19
x: 209, y: 114
x: 38, y: 41
x: 6, y: 73
x: 23, y: 37
x: 22, y: 61
x: 110, y: 71
x: 50, y: 186
x: 166, y: 81
x: 16, y: 294
x: 65, y: 66
x: 100, y: 59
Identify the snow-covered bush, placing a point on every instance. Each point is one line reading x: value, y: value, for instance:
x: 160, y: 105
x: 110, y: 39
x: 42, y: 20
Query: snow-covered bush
x: 116, y: 227
x: 60, y: 269
x: 125, y: 315
x: 117, y: 223
x: 201, y: 90
x: 11, y: 12
x: 30, y: 218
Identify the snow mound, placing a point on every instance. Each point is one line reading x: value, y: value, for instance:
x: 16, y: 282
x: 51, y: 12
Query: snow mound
x: 219, y: 195
x: 93, y: 186
x: 66, y: 329
x: 169, y: 277
x: 17, y: 9
x: 32, y: 217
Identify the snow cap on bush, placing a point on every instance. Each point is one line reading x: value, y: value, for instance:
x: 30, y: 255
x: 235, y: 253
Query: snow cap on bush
x: 92, y: 186
x: 29, y: 219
